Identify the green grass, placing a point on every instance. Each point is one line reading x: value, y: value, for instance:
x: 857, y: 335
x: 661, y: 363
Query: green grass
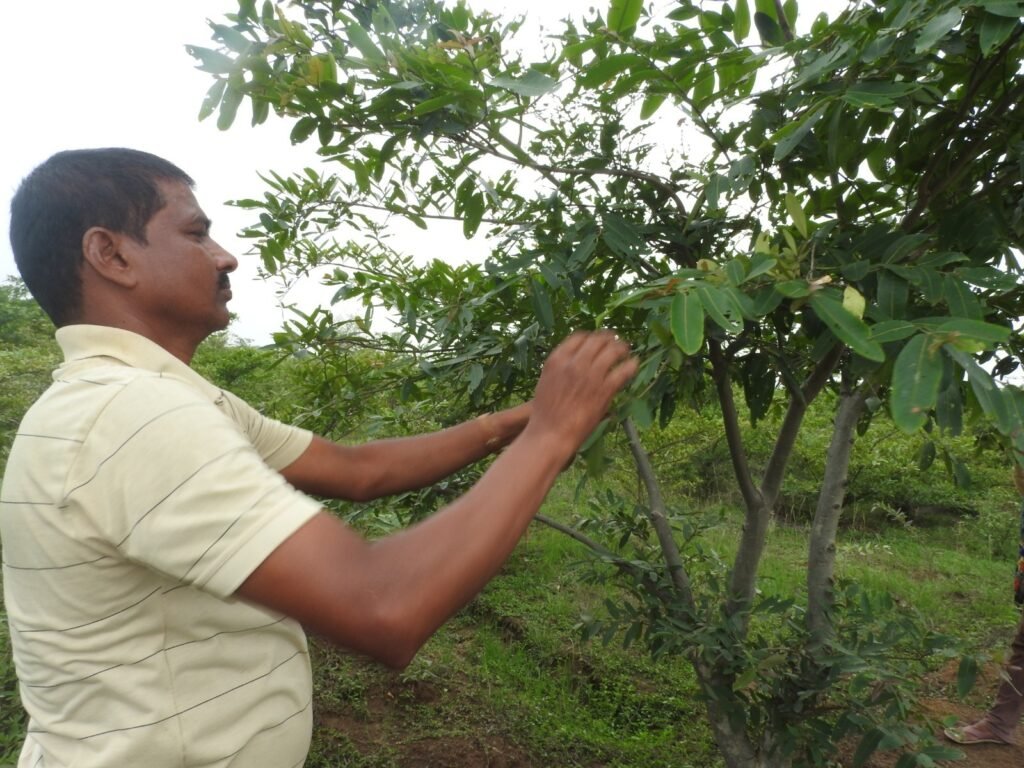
x: 510, y: 678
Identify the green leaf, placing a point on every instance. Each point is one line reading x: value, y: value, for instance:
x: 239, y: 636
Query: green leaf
x: 789, y: 9
x: 361, y: 41
x: 735, y: 271
x: 966, y: 674
x: 850, y: 330
x: 760, y: 263
x: 877, y: 93
x: 769, y: 30
x: 651, y: 105
x: 791, y: 135
x: 542, y: 304
x: 1011, y: 8
x: 949, y: 410
x: 892, y: 330
x: 975, y: 329
x: 995, y: 30
x: 960, y: 299
x: 532, y: 84
x: 229, y: 107
x: 703, y: 84
x: 988, y: 395
x: 603, y: 71
x: 722, y: 308
x: 214, y: 62
x: 621, y: 236
x: 926, y: 456
x: 936, y: 29
x: 853, y: 302
x: 793, y: 289
x: 867, y: 746
x: 435, y: 103
x: 915, y: 383
x: 741, y: 21
x: 624, y: 14
x: 213, y: 97
x: 473, y: 214
x: 688, y: 321
x: 766, y: 300
x: 796, y: 213
x: 893, y: 293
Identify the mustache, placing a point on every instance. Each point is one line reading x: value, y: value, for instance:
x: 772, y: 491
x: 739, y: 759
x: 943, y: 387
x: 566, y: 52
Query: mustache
x: 223, y: 281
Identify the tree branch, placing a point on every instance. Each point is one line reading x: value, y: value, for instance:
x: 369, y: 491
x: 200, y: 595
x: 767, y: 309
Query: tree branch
x: 621, y: 564
x: 731, y: 423
x: 755, y: 529
x: 516, y: 156
x: 821, y: 551
x: 815, y: 382
x: 658, y: 517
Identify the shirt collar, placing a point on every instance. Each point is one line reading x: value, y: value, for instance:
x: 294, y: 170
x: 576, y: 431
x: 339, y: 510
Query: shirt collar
x: 87, y: 342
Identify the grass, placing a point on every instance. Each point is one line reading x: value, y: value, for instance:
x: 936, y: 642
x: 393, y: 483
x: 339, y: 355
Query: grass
x: 509, y: 681
x: 510, y: 676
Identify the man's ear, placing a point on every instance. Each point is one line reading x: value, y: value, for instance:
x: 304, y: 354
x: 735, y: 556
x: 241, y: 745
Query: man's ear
x: 103, y: 250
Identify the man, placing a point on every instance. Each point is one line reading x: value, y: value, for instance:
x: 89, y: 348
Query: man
x: 1000, y: 722
x: 160, y: 553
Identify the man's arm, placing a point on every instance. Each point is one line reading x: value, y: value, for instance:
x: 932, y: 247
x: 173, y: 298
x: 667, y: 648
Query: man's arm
x: 385, y: 598
x: 385, y: 467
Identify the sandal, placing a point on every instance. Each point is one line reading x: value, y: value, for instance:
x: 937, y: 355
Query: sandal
x: 979, y: 733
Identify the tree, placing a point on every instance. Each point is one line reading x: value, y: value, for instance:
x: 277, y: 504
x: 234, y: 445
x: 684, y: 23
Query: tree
x: 28, y: 354
x: 852, y: 225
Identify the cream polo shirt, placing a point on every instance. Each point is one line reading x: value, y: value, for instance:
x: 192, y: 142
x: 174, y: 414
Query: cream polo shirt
x: 136, y: 499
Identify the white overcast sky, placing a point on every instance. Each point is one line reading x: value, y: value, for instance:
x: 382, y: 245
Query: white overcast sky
x: 94, y: 73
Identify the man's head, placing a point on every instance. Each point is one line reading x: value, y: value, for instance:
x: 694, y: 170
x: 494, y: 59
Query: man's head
x: 66, y: 196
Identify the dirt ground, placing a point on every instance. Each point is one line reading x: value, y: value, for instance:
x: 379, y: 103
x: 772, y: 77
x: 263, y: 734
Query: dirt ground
x: 938, y: 709
x: 375, y: 729
x: 975, y: 756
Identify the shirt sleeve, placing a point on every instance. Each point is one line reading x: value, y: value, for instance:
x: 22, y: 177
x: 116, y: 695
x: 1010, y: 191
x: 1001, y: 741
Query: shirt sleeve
x: 172, y: 482
x: 277, y: 443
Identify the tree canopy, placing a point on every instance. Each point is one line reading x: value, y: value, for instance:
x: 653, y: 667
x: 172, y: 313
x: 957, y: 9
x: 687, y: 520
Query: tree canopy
x: 760, y: 211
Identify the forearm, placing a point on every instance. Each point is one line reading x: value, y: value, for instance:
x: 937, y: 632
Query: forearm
x: 449, y: 557
x: 385, y: 467
x: 385, y: 598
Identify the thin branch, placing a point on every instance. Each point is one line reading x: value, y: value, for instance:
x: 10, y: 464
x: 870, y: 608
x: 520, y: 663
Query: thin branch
x: 657, y: 515
x: 620, y: 563
x: 731, y: 422
x: 790, y: 428
x: 516, y: 156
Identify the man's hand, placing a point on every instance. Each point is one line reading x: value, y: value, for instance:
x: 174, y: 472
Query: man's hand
x: 386, y: 597
x: 579, y: 380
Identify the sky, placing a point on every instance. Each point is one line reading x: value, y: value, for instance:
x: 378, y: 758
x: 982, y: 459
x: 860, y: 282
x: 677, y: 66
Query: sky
x: 115, y: 73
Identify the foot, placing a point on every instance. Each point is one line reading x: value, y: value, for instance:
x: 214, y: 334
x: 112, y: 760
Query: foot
x: 981, y: 732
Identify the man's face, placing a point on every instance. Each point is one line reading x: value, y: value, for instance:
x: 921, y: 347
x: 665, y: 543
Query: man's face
x: 184, y: 286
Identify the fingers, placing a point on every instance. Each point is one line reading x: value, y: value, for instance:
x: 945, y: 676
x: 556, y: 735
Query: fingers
x: 603, y: 355
x: 594, y: 343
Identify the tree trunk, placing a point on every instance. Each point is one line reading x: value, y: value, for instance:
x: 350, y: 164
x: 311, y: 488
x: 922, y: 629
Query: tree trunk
x: 737, y: 748
x: 822, y: 547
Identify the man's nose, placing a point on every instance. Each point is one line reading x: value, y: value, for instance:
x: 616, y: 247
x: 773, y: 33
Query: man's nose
x: 226, y: 262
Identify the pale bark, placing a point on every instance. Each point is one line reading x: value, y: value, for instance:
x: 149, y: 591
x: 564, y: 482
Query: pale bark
x: 761, y: 501
x: 658, y: 517
x: 821, y: 556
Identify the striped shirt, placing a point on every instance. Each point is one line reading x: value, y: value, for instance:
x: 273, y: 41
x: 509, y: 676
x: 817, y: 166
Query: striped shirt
x: 137, y: 498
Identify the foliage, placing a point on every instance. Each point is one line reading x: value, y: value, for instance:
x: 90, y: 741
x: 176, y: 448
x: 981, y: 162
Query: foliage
x: 850, y: 226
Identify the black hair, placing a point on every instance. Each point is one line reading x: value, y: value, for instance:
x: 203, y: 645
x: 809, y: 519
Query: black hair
x: 73, y: 191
